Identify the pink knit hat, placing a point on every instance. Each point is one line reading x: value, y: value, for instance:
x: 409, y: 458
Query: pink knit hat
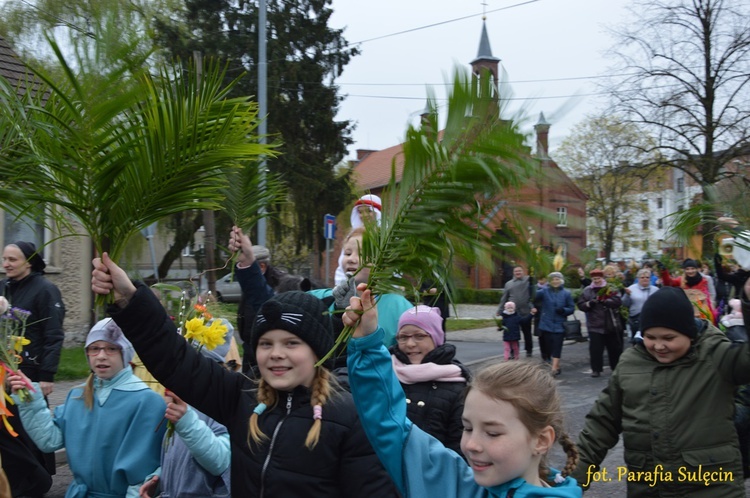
x: 427, y: 319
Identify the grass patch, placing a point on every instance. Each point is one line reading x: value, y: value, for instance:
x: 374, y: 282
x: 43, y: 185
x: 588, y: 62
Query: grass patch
x: 73, y: 364
x: 453, y: 324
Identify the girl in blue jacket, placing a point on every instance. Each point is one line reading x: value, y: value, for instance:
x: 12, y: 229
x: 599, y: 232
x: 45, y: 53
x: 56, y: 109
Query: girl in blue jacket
x: 512, y: 416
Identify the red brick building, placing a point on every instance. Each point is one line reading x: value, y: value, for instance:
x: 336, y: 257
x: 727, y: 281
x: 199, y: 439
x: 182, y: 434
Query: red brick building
x: 560, y: 203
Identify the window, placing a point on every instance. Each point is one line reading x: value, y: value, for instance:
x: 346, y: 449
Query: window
x: 625, y: 246
x: 562, y: 216
x: 187, y: 251
x: 27, y: 229
x: 23, y: 228
x: 659, y: 203
x: 645, y: 245
x: 644, y: 224
x: 626, y: 226
x: 681, y: 184
x: 681, y: 207
x: 660, y: 223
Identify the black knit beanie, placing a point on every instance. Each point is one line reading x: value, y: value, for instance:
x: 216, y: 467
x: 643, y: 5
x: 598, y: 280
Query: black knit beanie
x: 671, y: 308
x: 690, y: 263
x: 32, y: 256
x: 302, y: 314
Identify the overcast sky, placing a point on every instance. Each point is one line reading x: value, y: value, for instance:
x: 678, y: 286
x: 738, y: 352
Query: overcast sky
x: 552, y: 50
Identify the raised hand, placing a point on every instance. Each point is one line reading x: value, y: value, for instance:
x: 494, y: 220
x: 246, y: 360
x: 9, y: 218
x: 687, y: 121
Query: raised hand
x: 107, y: 276
x: 362, y: 313
x: 238, y: 241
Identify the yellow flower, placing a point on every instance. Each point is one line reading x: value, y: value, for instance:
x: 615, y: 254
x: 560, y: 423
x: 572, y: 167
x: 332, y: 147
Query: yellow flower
x: 195, y: 329
x: 214, y: 335
x: 19, y: 342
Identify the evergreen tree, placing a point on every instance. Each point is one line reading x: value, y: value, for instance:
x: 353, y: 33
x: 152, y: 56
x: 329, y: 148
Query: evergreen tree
x: 305, y: 56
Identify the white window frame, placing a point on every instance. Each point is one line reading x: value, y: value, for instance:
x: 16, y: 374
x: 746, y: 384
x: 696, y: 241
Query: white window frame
x: 562, y: 216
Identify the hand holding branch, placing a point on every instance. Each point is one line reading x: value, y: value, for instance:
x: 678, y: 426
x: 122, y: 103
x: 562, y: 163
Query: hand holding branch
x: 107, y: 277
x: 238, y: 241
x: 362, y: 313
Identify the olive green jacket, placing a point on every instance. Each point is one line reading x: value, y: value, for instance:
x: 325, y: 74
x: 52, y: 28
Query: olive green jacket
x: 678, y: 416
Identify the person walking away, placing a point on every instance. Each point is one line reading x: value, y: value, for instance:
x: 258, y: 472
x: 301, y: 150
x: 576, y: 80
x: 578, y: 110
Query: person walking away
x: 555, y: 304
x: 111, y: 426
x: 512, y: 416
x: 521, y: 290
x: 597, y: 300
x: 432, y: 378
x: 294, y: 432
x: 635, y: 297
x: 671, y: 399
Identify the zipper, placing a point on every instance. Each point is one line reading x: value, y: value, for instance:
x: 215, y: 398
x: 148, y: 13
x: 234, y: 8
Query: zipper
x: 273, y: 443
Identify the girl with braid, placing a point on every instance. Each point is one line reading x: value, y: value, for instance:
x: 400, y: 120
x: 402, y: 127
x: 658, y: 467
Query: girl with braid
x: 512, y: 416
x: 294, y: 433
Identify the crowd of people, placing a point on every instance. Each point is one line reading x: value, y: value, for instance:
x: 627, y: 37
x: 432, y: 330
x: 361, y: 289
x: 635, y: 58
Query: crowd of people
x: 397, y: 414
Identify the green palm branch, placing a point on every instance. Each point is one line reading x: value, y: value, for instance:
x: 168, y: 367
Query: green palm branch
x: 248, y: 192
x: 437, y: 212
x: 120, y: 149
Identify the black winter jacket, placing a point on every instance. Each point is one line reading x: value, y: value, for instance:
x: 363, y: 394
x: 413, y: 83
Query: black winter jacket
x: 595, y: 308
x: 343, y: 464
x: 436, y: 407
x: 44, y: 328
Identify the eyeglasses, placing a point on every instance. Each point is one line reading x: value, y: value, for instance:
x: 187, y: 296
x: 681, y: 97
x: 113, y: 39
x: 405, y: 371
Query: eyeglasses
x: 108, y: 350
x: 415, y: 337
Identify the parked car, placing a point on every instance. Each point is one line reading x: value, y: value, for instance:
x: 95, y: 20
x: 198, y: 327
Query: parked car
x: 228, y: 290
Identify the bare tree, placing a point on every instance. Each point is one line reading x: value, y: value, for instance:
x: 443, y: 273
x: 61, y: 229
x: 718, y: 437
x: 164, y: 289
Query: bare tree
x: 683, y: 74
x: 604, y: 156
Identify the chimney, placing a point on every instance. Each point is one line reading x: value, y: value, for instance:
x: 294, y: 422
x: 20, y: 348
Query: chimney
x: 542, y: 137
x: 363, y: 153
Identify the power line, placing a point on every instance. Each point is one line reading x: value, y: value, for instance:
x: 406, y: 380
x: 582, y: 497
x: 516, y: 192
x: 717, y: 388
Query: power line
x: 456, y: 19
x: 509, y: 99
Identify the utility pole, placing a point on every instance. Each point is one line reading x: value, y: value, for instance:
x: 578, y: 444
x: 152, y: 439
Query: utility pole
x: 209, y: 238
x: 262, y: 109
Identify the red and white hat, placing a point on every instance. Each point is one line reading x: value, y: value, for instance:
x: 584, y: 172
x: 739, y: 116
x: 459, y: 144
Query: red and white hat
x: 371, y: 200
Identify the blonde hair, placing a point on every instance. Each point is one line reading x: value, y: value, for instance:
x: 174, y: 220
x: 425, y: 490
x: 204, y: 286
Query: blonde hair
x: 88, y: 392
x: 323, y: 387
x: 532, y: 390
x: 354, y: 232
x: 610, y: 271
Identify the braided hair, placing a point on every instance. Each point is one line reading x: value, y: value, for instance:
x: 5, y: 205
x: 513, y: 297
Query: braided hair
x: 322, y: 390
x: 532, y: 390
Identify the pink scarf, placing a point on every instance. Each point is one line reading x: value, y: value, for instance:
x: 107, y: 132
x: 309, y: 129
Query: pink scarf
x: 426, y: 372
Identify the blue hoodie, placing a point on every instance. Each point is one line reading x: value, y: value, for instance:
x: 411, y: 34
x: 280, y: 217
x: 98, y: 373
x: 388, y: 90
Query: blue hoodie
x: 418, y: 463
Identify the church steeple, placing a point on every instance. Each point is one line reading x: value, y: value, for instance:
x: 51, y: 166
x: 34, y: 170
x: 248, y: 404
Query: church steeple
x: 484, y: 59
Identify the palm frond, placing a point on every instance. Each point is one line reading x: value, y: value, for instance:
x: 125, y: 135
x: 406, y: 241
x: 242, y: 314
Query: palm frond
x: 248, y: 192
x: 437, y: 212
x: 120, y: 150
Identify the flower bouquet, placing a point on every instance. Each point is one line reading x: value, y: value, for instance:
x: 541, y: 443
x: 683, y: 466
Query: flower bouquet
x: 194, y: 322
x: 12, y: 334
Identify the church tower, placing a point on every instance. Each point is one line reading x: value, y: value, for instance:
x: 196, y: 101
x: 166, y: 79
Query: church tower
x: 484, y: 59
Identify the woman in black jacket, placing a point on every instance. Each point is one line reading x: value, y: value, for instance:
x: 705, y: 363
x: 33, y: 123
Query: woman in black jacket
x: 432, y: 378
x: 294, y: 433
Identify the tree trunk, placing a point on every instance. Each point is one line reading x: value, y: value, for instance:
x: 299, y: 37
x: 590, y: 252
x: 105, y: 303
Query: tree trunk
x: 184, y: 233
